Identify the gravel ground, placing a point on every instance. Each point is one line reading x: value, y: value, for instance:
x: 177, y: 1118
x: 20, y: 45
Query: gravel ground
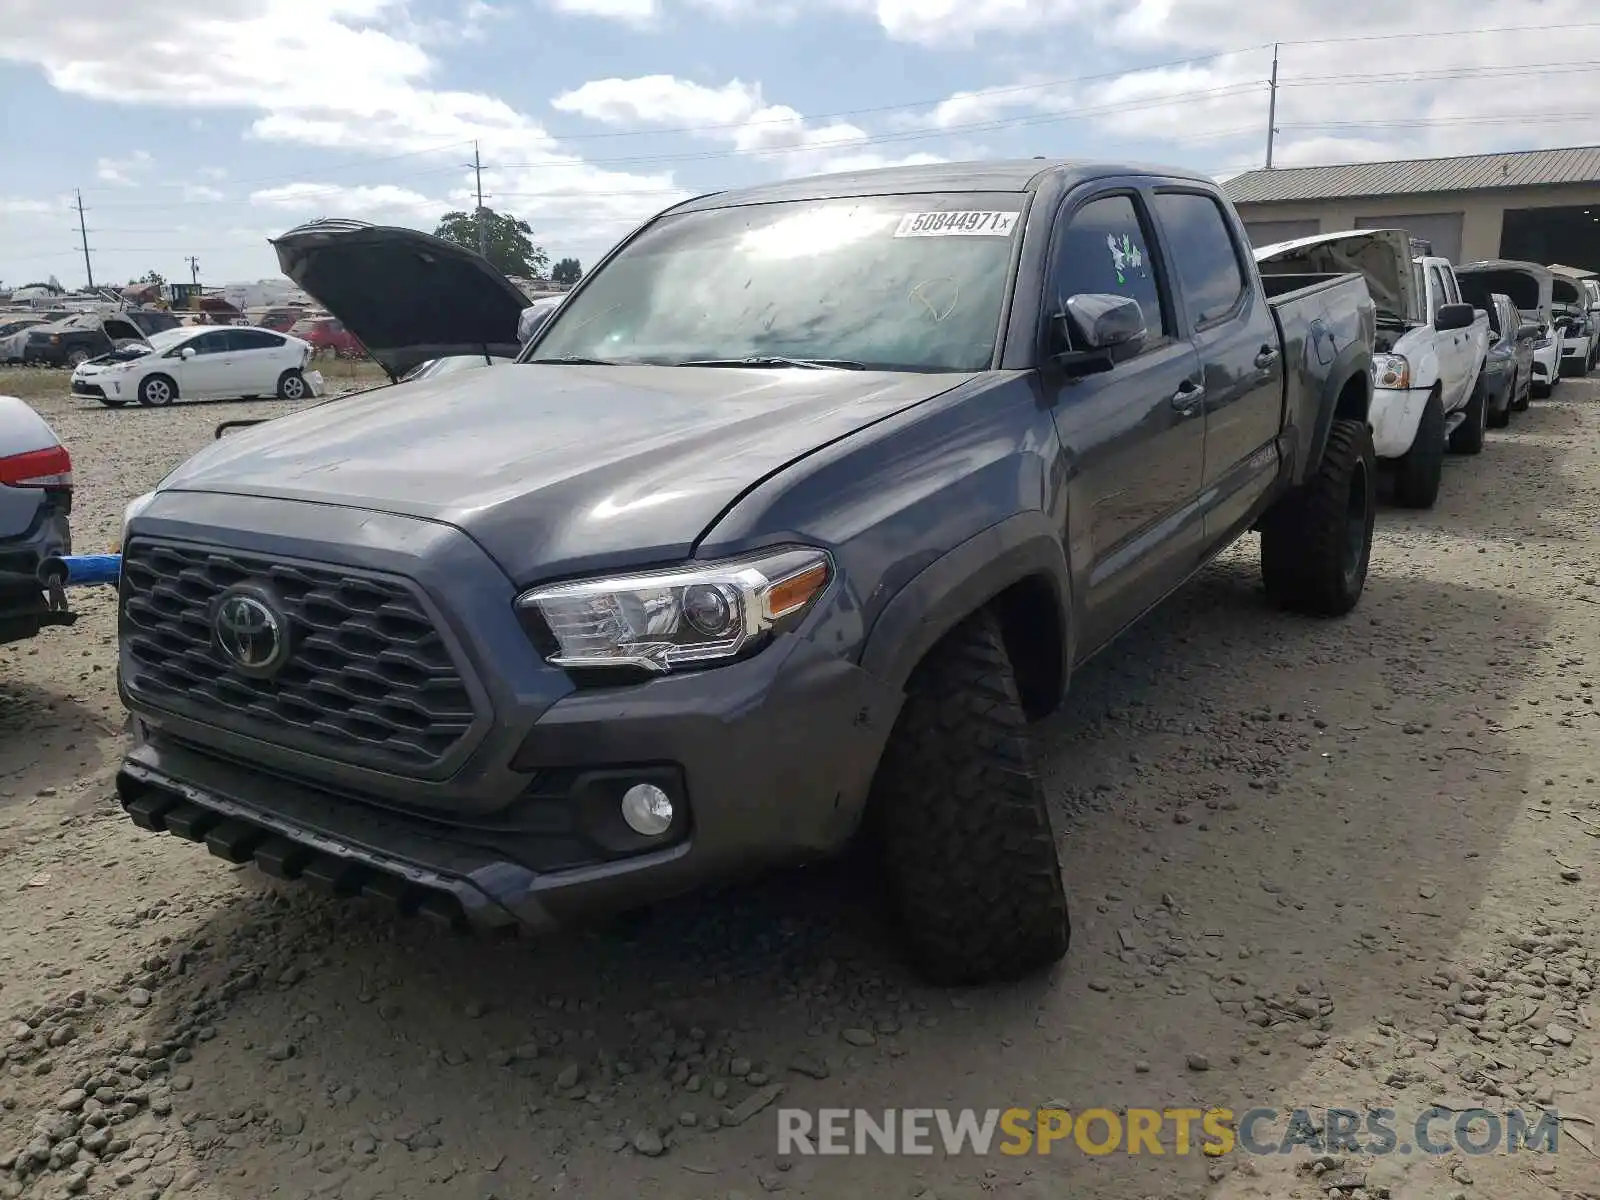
x: 1313, y: 864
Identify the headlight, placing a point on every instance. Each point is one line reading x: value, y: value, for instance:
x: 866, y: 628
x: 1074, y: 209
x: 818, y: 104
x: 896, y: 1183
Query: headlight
x: 695, y: 614
x: 1391, y: 371
x: 1543, y: 344
x: 139, y: 504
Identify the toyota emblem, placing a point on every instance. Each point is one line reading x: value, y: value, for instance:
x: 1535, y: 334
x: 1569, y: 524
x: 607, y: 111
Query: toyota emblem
x: 253, y: 636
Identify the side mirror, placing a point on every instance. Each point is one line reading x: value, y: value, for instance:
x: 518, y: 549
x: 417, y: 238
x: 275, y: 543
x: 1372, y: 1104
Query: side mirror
x: 1101, y: 328
x: 531, y: 321
x: 186, y: 352
x: 1527, y: 330
x: 1454, y: 316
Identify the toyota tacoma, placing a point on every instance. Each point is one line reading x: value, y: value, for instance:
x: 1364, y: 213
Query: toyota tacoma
x: 774, y: 538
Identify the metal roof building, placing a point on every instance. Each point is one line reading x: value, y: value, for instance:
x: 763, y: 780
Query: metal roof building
x: 1539, y: 205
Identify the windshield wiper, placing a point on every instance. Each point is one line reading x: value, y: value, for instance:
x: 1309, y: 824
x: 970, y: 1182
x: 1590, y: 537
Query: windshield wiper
x: 578, y: 360
x: 770, y: 360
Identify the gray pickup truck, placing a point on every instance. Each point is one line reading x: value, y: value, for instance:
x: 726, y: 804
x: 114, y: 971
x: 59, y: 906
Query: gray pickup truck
x: 778, y: 534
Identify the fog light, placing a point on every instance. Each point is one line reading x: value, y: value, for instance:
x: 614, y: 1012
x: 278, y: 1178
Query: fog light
x: 647, y: 809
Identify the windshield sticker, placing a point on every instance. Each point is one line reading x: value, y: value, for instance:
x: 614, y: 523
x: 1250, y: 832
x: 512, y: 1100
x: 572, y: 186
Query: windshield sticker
x: 1125, y: 255
x: 957, y: 224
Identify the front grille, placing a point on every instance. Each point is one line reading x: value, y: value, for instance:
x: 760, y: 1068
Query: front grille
x: 369, y: 679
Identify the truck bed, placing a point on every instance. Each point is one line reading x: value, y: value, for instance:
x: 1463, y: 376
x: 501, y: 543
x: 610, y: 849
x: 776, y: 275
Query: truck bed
x: 1323, y: 320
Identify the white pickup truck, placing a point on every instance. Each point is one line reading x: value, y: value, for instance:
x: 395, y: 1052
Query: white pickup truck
x: 1432, y: 346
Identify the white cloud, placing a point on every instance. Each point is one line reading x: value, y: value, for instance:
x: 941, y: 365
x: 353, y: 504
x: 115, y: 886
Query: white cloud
x: 340, y: 74
x: 20, y: 206
x: 199, y: 193
x: 632, y: 12
x: 122, y: 171
x: 736, y: 114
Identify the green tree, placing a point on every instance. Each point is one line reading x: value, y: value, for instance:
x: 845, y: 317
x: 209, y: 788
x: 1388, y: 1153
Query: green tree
x: 507, y: 241
x: 567, y: 270
x: 154, y: 277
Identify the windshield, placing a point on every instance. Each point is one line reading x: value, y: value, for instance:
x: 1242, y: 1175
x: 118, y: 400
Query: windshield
x: 911, y: 283
x: 168, y: 338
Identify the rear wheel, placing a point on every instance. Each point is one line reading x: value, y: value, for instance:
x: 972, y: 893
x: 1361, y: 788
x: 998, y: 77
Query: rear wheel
x: 1499, y: 418
x: 292, y: 386
x: 1420, y: 469
x: 1316, y: 544
x: 157, y: 391
x: 1468, y: 436
x: 964, y: 829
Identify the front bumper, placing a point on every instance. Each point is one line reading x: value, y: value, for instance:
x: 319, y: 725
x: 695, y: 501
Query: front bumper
x: 82, y: 387
x: 1396, y: 414
x: 768, y: 761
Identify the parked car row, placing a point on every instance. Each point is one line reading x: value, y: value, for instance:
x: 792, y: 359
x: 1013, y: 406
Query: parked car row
x: 78, y: 338
x: 1459, y: 348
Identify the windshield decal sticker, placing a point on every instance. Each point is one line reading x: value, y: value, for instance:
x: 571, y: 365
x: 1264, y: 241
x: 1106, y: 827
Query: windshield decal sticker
x: 1125, y: 255
x: 957, y: 224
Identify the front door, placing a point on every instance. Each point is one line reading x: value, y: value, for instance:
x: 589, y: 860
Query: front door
x: 1133, y: 438
x: 206, y: 374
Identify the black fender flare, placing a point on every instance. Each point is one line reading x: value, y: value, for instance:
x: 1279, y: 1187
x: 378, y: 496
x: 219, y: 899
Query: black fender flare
x: 960, y: 582
x: 1352, y: 362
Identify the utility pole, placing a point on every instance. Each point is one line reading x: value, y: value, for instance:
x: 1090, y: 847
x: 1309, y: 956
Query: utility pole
x: 477, y: 167
x: 1272, y: 105
x: 83, y: 233
x: 194, y: 269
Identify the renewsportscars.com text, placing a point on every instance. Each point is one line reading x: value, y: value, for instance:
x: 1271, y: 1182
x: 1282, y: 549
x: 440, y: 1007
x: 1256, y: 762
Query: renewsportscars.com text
x: 1161, y: 1131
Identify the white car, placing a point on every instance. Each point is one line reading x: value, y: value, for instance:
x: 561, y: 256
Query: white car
x: 199, y: 362
x: 1571, y: 302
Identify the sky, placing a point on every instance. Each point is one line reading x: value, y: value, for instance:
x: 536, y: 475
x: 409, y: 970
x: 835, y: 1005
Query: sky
x: 205, y: 129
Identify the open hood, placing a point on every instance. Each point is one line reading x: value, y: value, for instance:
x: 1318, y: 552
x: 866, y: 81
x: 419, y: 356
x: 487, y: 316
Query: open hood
x: 407, y: 296
x: 1381, y: 256
x: 1529, y: 285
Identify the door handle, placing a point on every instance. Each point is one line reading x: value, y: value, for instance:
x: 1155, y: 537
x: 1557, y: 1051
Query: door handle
x: 1265, y: 357
x: 1188, y: 397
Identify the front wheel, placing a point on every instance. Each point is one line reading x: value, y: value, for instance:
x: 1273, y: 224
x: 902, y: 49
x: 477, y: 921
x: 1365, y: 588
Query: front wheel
x: 1316, y: 544
x: 1421, y: 468
x: 292, y: 386
x: 76, y: 358
x: 1468, y: 436
x: 962, y: 821
x: 157, y: 391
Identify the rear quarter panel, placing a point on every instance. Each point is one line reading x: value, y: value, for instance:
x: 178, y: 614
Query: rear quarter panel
x: 1327, y: 333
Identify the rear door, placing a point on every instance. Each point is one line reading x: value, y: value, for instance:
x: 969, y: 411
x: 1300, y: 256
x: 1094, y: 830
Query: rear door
x: 1227, y: 320
x: 1134, y: 435
x: 258, y: 359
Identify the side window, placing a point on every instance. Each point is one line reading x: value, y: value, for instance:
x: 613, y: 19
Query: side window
x: 253, y: 339
x: 1203, y: 253
x: 1105, y: 249
x: 1440, y: 292
x: 215, y: 342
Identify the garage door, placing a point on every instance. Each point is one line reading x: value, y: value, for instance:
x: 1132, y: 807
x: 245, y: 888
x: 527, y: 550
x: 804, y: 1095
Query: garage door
x: 1269, y: 233
x: 1442, y: 229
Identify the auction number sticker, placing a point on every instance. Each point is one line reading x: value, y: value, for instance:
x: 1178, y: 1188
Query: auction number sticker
x: 957, y: 224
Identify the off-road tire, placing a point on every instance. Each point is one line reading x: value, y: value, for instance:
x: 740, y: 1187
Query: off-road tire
x: 1420, y: 469
x: 1317, y: 542
x: 960, y: 819
x: 1468, y: 436
x: 293, y: 386
x: 150, y: 392
x: 1499, y: 420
